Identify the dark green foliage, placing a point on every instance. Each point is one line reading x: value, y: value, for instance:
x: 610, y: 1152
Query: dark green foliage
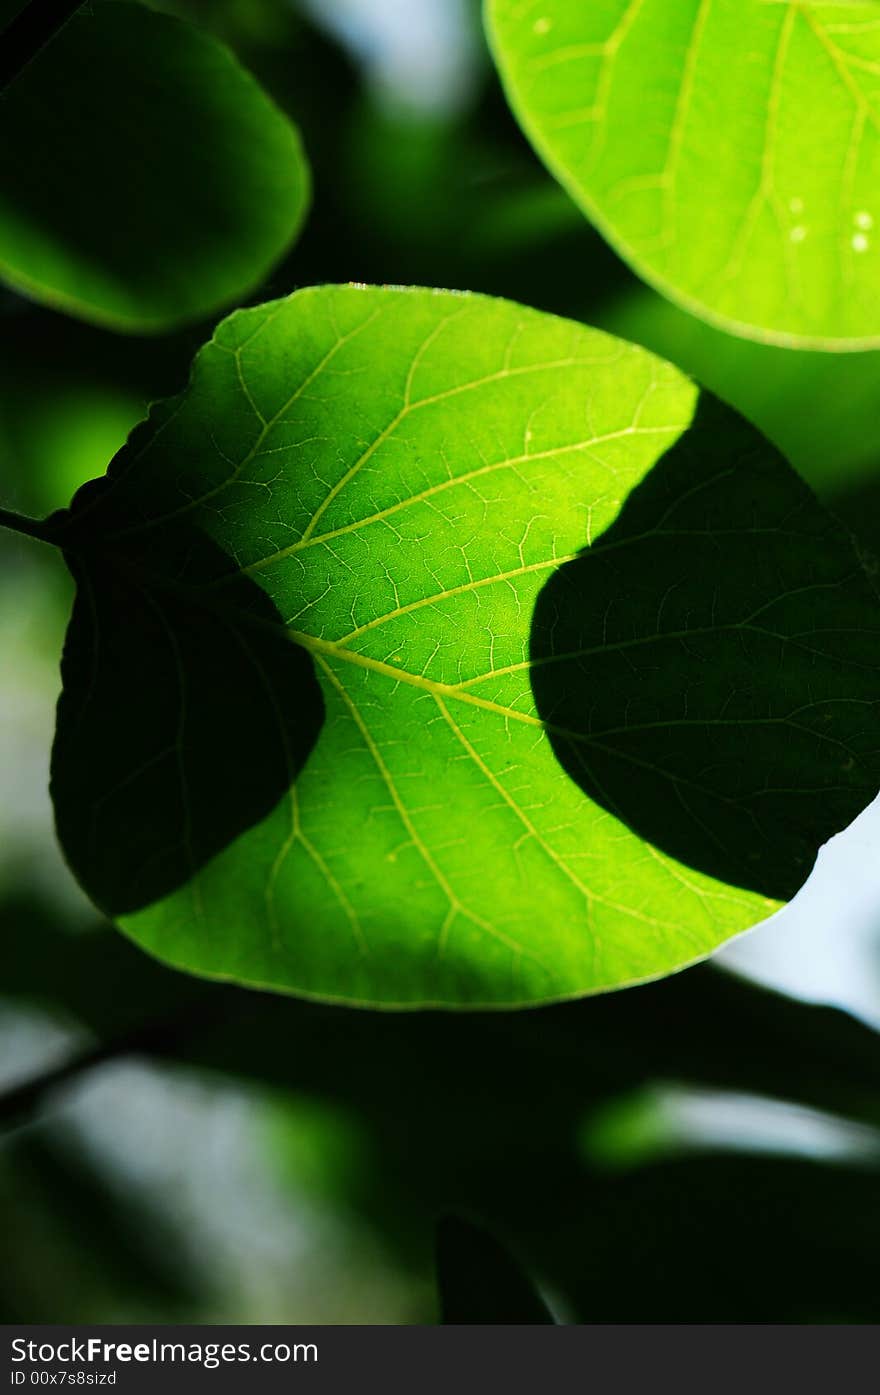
x: 486, y: 1115
x: 75, y: 1240
x: 715, y: 679
x: 479, y: 1282
x: 146, y: 179
x: 214, y: 692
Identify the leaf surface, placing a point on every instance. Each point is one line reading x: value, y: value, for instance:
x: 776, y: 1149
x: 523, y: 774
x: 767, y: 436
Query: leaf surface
x: 729, y: 149
x: 145, y: 178
x: 820, y: 409
x: 403, y: 630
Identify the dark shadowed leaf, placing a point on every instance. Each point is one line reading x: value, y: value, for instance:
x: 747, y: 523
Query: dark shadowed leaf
x: 479, y: 1282
x: 145, y: 178
x: 715, y: 574
x: 206, y: 677
x: 77, y: 1241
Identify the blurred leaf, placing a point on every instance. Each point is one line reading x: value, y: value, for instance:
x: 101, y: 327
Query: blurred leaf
x: 76, y: 1244
x: 328, y: 478
x: 83, y: 427
x: 91, y: 975
x: 749, y: 196
x: 478, y: 1281
x: 717, y: 1239
x: 703, y: 1027
x: 485, y: 1113
x: 69, y: 395
x: 147, y: 180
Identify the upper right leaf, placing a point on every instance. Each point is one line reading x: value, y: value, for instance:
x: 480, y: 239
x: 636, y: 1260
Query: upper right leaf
x: 729, y: 149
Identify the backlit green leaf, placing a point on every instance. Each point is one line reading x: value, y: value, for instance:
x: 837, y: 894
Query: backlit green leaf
x: 729, y: 149
x: 820, y: 409
x: 145, y: 178
x: 431, y: 650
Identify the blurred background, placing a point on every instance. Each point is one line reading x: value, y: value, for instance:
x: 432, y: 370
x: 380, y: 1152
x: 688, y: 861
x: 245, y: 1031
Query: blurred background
x: 704, y: 1149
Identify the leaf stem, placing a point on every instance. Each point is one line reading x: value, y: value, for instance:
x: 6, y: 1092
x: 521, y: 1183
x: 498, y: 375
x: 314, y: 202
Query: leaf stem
x: 30, y: 527
x: 30, y: 31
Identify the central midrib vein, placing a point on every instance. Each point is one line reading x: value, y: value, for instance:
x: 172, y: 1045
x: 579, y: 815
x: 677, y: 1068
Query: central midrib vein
x: 331, y: 649
x: 327, y: 649
x: 339, y: 651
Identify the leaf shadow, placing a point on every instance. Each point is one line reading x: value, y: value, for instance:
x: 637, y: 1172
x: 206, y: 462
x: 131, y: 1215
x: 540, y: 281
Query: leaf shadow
x: 181, y: 724
x: 707, y: 669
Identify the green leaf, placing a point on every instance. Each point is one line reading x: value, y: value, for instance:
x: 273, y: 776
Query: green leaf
x: 819, y: 409
x: 728, y: 149
x: 146, y: 180
x: 478, y: 1281
x: 352, y: 604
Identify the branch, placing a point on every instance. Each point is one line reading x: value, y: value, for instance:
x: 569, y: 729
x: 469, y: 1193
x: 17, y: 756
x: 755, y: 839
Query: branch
x: 30, y: 527
x: 30, y: 31
x: 18, y: 1105
x: 155, y: 1040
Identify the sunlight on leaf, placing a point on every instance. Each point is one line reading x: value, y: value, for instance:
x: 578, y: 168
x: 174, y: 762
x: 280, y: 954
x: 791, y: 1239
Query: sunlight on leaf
x: 390, y: 494
x: 728, y: 149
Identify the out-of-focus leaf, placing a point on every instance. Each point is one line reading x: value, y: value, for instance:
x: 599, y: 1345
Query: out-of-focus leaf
x: 146, y: 178
x: 479, y: 1282
x: 74, y: 1243
x: 70, y: 393
x: 714, y: 1239
x: 702, y: 1027
x: 92, y: 976
x: 484, y: 1113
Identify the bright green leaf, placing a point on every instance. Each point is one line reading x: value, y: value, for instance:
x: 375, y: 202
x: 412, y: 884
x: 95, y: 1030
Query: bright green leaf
x: 729, y: 149
x: 146, y: 180
x: 402, y: 629
x: 819, y: 409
